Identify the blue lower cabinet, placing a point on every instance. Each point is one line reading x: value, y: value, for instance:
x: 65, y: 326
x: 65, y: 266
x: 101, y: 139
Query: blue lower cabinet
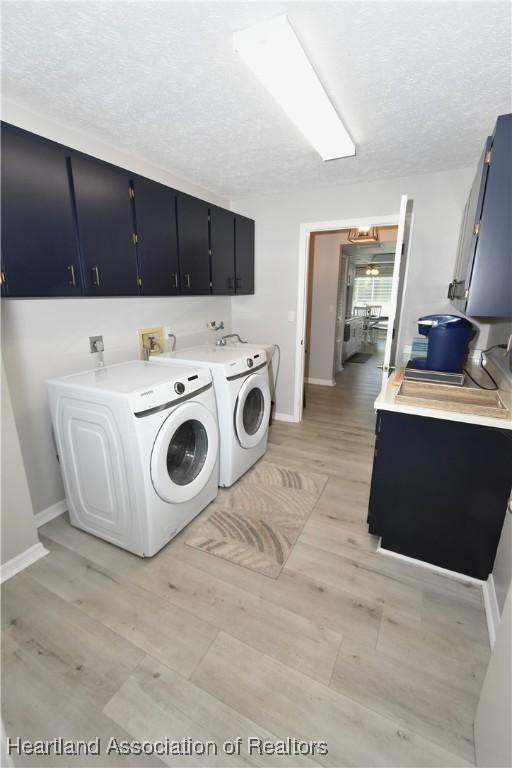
x: 439, y: 490
x: 40, y: 255
x: 157, y: 240
x: 106, y: 227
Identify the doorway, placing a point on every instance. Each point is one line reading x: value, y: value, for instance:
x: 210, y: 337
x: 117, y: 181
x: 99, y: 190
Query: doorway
x: 404, y: 223
x: 349, y: 300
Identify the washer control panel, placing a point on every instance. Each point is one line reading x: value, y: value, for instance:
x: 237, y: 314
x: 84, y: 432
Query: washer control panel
x: 183, y: 381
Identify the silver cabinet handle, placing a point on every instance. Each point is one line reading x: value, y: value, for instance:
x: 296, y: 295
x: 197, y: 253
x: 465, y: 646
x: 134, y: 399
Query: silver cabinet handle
x: 175, y: 279
x: 187, y: 280
x: 231, y: 282
x: 72, y: 280
x: 96, y: 278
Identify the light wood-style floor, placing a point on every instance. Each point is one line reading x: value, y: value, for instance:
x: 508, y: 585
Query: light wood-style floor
x: 381, y: 659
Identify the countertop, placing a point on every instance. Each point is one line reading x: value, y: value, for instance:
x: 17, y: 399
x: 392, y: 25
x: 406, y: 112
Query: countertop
x: 386, y: 402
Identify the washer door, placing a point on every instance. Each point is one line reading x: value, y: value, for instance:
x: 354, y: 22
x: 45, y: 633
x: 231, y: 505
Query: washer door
x: 252, y: 410
x: 184, y: 453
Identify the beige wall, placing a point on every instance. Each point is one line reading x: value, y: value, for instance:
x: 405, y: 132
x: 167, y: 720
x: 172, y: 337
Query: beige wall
x: 18, y: 527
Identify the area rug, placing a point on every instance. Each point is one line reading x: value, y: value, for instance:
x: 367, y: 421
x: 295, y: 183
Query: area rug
x: 258, y: 521
x: 359, y: 357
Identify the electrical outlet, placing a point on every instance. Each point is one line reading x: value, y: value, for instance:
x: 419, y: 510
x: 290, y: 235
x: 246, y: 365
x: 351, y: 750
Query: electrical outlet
x: 93, y: 341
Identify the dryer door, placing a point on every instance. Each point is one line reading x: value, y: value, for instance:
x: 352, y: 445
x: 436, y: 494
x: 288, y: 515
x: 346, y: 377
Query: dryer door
x: 185, y: 453
x: 252, y: 410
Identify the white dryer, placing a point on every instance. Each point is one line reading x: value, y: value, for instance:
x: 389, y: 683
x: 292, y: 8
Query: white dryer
x: 240, y: 379
x: 138, y: 448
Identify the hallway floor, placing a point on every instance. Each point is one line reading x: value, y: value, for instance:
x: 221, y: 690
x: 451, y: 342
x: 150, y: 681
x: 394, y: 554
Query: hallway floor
x: 382, y: 659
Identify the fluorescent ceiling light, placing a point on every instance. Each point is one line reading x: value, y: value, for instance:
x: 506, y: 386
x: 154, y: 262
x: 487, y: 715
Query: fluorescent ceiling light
x: 273, y: 52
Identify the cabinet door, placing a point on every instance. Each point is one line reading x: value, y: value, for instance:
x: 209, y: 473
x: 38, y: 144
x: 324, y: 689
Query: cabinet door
x: 157, y: 241
x: 106, y: 227
x: 222, y: 239
x: 439, y: 490
x: 244, y: 254
x: 490, y: 292
x: 193, y: 244
x: 40, y: 255
x: 469, y: 232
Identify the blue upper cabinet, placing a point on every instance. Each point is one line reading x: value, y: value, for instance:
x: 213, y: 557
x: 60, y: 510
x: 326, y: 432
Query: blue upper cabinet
x: 106, y: 227
x: 194, y: 244
x: 483, y: 280
x: 74, y: 225
x: 469, y: 231
x: 157, y: 241
x: 244, y: 255
x: 40, y: 254
x: 222, y: 240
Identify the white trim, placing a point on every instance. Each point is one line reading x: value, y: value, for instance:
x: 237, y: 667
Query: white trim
x: 492, y: 610
x: 303, y: 263
x: 429, y: 567
x: 322, y: 382
x: 22, y: 561
x: 284, y: 417
x: 50, y: 513
x: 394, y: 322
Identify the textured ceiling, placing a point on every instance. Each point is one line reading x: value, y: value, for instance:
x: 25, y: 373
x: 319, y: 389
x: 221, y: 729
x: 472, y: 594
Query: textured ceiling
x: 417, y: 84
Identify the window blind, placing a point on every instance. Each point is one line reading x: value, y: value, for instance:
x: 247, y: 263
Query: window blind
x: 373, y: 290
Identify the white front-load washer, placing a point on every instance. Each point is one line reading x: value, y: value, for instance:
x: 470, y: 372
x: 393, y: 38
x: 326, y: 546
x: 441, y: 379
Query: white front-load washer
x: 240, y: 378
x: 138, y: 446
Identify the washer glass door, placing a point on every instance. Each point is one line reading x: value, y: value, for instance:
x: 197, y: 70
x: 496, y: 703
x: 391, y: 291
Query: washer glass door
x: 252, y: 410
x: 185, y: 453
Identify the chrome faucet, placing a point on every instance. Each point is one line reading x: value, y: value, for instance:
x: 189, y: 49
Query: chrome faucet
x: 222, y: 341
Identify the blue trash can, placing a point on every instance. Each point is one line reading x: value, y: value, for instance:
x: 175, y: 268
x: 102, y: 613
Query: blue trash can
x: 448, y: 338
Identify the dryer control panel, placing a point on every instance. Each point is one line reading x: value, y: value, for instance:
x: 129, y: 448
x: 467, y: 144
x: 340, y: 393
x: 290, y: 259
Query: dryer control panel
x: 183, y: 384
x: 247, y: 364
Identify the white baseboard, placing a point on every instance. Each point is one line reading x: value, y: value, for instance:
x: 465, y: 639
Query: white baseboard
x: 284, y: 417
x: 50, y: 513
x: 22, y: 561
x: 429, y: 567
x: 492, y: 610
x: 321, y: 382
